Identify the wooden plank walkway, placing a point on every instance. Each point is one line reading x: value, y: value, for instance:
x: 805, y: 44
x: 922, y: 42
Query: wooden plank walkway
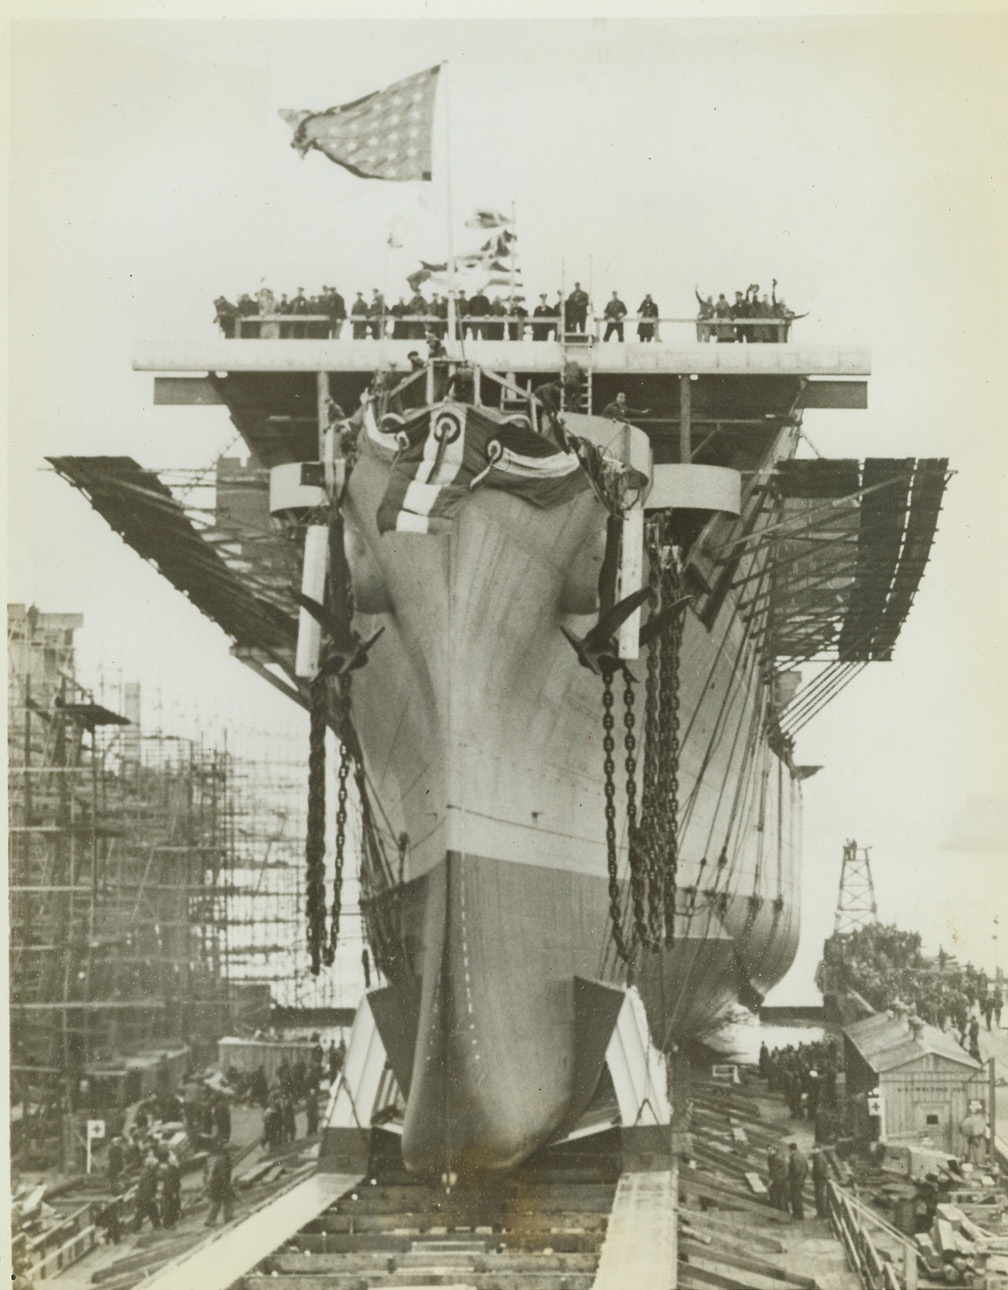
x: 219, y: 1262
x: 640, y: 1247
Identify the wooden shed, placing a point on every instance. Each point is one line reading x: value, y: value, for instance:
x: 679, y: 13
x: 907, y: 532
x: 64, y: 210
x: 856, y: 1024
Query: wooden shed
x: 923, y: 1078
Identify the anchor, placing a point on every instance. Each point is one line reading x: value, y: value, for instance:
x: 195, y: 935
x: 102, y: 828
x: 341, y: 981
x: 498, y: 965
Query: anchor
x: 347, y: 651
x: 595, y: 649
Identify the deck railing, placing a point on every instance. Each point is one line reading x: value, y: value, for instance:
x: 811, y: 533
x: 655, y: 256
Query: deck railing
x: 775, y: 330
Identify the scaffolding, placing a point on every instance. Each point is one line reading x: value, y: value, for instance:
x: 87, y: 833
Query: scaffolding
x: 856, y: 906
x: 155, y: 880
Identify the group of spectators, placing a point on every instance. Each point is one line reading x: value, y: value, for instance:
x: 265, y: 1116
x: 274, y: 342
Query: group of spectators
x: 804, y: 1074
x: 806, y: 1077
x: 478, y: 317
x: 750, y: 318
x: 884, y: 964
x: 293, y: 1085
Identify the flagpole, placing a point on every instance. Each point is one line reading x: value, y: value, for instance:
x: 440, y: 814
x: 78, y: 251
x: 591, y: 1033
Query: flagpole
x: 450, y: 213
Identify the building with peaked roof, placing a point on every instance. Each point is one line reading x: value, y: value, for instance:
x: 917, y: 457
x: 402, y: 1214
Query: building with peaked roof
x: 923, y: 1079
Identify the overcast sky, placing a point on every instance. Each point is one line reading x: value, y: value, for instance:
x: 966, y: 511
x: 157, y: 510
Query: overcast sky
x: 862, y: 162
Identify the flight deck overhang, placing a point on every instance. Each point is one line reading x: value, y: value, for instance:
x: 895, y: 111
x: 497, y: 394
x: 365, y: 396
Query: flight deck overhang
x: 633, y: 359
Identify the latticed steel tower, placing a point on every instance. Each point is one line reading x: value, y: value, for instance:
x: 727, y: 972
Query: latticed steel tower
x: 856, y: 907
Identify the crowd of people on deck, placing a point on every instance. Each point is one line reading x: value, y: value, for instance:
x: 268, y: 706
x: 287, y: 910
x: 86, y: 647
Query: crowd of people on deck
x: 750, y: 318
x: 885, y: 965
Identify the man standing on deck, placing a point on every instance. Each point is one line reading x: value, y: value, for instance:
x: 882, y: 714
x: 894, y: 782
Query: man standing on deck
x: 376, y: 315
x: 647, y: 312
x: 541, y: 330
x: 335, y: 307
x: 797, y: 1173
x: 577, y: 310
x: 358, y: 311
x: 299, y: 307
x: 615, y: 311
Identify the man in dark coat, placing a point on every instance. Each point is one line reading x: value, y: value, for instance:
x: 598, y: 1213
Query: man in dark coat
x: 358, y: 311
x: 438, y: 310
x: 146, y: 1195
x: 577, y: 310
x: 219, y: 1188
x: 171, y: 1188
x: 615, y: 311
x: 703, y: 329
x: 115, y: 1165
x: 376, y: 315
x: 797, y: 1172
x: 335, y: 307
x: 620, y: 410
x: 498, y: 311
x: 222, y: 1118
x: 299, y: 307
x: 740, y: 309
x: 646, y: 313
x: 777, y: 1170
x: 478, y: 310
x: 518, y: 312
x: 418, y: 311
x: 820, y: 1177
x: 311, y: 1113
x: 541, y: 330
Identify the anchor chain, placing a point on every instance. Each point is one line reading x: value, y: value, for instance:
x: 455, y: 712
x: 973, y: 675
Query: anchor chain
x: 609, y: 769
x: 315, y: 830
x: 653, y: 822
x: 637, y: 833
x: 671, y: 648
x: 346, y: 764
x: 652, y: 813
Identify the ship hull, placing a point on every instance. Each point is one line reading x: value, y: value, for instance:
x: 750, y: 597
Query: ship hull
x: 482, y: 740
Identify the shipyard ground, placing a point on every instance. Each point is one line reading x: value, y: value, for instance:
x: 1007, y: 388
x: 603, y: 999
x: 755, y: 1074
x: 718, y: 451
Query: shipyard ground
x: 566, y: 1221
x: 259, y: 1175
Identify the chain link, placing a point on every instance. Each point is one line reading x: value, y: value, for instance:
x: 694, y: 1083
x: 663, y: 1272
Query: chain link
x: 651, y: 805
x: 671, y: 649
x: 609, y: 768
x: 315, y: 829
x: 346, y: 764
x: 653, y: 825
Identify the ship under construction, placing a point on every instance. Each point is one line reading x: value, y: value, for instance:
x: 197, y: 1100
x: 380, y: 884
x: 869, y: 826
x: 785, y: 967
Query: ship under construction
x: 567, y: 658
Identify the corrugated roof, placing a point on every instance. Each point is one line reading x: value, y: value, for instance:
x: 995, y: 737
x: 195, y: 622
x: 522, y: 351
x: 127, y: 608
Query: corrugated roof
x: 886, y: 1043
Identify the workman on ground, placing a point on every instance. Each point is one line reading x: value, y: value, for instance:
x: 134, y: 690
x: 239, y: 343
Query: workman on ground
x: 797, y: 1173
x: 219, y: 1188
x: 777, y: 1171
x: 820, y: 1177
x: 146, y: 1195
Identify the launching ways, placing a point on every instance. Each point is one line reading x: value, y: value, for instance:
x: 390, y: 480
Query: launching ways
x: 620, y: 1080
x: 614, y: 1054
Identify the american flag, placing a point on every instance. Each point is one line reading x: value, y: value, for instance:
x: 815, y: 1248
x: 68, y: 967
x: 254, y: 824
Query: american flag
x: 385, y: 135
